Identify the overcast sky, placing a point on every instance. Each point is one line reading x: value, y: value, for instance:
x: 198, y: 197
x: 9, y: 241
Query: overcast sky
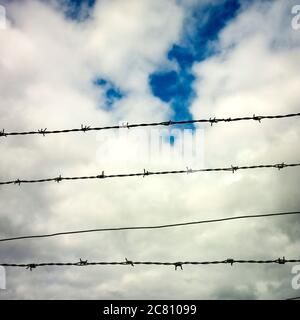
x: 68, y: 63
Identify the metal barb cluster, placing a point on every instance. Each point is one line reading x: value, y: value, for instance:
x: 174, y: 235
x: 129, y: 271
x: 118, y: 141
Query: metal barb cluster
x: 189, y: 170
x: 31, y: 266
x: 234, y: 169
x: 145, y: 173
x: 231, y: 261
x: 178, y: 265
x: 43, y: 131
x: 82, y: 262
x: 129, y: 262
x: 257, y: 118
x: 101, y: 176
x: 58, y: 179
x: 281, y: 166
x: 85, y: 128
x: 2, y: 133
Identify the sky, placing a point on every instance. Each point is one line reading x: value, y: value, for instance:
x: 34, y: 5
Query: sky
x: 65, y: 63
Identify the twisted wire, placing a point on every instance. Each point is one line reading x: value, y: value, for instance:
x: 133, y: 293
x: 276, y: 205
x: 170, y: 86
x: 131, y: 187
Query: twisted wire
x: 211, y: 121
x: 132, y: 263
x: 145, y: 173
x: 150, y: 227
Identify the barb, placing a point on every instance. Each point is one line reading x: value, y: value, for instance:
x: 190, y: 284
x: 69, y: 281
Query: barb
x: 214, y: 120
x: 82, y: 262
x: 58, y: 179
x: 257, y: 118
x: 43, y: 131
x: 145, y: 173
x: 101, y: 176
x: 177, y: 264
x: 148, y: 173
x: 151, y: 227
x: 281, y: 166
x: 234, y: 169
x: 18, y: 182
x: 129, y: 262
x: 125, y: 125
x: 231, y: 261
x: 85, y: 128
x: 211, y: 121
x: 189, y: 170
x: 31, y: 266
x: 2, y: 133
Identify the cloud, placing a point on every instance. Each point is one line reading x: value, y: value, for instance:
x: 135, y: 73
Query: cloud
x: 49, y: 63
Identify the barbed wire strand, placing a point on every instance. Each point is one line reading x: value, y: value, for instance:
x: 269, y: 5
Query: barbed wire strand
x: 211, y: 121
x: 150, y: 227
x: 178, y: 264
x: 145, y: 173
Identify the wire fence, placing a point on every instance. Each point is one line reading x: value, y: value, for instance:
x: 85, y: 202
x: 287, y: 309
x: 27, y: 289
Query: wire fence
x: 150, y: 227
x: 178, y: 264
x: 211, y: 121
x: 145, y: 173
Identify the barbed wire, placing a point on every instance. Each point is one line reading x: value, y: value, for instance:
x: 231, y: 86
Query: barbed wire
x: 149, y: 227
x: 145, y: 173
x: 85, y: 128
x: 178, y: 264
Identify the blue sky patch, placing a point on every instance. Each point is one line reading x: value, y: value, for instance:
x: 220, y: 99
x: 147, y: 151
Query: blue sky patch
x: 174, y: 88
x: 77, y: 9
x: 111, y: 92
x: 202, y: 29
